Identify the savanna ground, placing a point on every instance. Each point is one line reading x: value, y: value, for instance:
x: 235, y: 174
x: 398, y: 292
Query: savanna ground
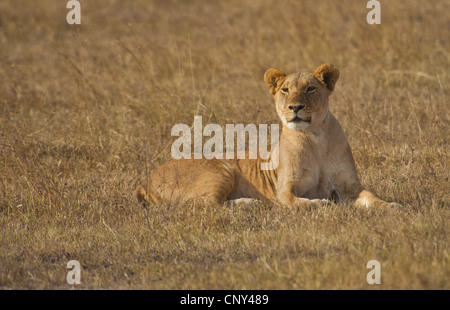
x: 86, y: 112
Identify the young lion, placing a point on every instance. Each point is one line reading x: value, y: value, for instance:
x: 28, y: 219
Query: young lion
x: 314, y: 160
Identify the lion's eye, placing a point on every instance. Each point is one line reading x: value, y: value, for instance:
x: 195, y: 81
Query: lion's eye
x: 285, y: 90
x: 311, y: 89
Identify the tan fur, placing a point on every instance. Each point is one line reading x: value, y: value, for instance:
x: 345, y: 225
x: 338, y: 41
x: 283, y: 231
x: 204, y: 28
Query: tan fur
x: 315, y: 160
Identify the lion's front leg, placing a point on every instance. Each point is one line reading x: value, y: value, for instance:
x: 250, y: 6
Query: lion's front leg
x: 369, y: 200
x: 290, y: 192
x: 311, y: 202
x: 242, y: 201
x: 289, y: 199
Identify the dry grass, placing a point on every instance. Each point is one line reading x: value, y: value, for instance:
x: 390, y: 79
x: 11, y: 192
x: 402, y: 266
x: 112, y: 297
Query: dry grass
x: 86, y: 112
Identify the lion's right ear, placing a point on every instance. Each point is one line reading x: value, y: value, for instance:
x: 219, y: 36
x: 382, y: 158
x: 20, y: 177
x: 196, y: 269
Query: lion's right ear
x: 273, y: 79
x: 328, y: 75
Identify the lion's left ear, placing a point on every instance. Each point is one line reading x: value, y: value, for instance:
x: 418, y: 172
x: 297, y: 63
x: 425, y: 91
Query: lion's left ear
x: 328, y: 75
x: 273, y: 79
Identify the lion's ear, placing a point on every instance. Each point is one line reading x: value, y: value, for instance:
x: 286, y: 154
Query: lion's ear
x: 273, y: 79
x: 328, y: 75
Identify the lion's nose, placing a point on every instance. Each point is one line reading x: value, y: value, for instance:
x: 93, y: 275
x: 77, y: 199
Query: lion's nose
x: 296, y: 107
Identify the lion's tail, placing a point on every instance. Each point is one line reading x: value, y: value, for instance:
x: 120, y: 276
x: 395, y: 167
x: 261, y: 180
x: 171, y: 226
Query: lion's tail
x: 143, y: 194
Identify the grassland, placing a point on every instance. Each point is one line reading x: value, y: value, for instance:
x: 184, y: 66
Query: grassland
x: 86, y: 112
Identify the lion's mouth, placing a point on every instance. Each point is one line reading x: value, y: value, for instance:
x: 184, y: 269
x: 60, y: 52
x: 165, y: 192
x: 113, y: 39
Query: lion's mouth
x: 298, y: 120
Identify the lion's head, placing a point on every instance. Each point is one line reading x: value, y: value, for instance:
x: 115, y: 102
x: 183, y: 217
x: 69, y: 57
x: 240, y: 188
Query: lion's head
x: 302, y: 98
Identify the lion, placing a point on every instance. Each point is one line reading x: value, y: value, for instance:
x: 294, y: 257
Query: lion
x: 315, y: 163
